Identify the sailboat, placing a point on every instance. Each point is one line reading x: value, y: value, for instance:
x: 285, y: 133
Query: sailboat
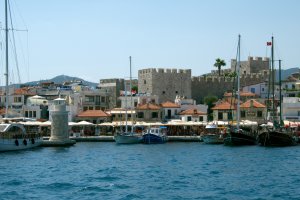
x: 13, y: 136
x: 276, y: 135
x: 235, y: 135
x: 128, y: 137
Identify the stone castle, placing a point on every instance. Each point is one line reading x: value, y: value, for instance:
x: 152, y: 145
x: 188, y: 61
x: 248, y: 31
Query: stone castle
x: 165, y: 83
x: 169, y: 83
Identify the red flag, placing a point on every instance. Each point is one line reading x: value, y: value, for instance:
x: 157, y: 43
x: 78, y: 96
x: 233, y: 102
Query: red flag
x: 269, y: 43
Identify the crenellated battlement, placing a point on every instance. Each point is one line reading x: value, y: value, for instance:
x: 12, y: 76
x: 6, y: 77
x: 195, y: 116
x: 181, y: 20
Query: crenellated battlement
x: 215, y: 78
x: 165, y: 71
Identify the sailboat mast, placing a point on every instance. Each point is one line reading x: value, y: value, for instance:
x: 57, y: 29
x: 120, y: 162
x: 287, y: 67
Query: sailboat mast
x: 273, y: 78
x: 280, y: 98
x: 6, y: 58
x: 238, y: 84
x: 131, y: 95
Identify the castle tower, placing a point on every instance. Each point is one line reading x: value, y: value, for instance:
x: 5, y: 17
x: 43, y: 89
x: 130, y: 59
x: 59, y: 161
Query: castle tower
x: 165, y: 83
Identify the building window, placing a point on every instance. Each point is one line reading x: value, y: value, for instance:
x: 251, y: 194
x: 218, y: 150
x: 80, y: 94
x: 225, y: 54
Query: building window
x: 259, y: 113
x: 140, y: 115
x: 85, y: 108
x: 220, y: 116
x: 97, y: 108
x: 229, y: 116
x: 26, y: 113
x: 176, y: 92
x: 201, y: 119
x: 144, y: 81
x: 154, y: 114
x: 189, y: 118
x: 89, y: 98
x: 243, y: 114
x: 34, y: 114
x: 252, y: 90
x: 103, y: 99
x: 17, y: 99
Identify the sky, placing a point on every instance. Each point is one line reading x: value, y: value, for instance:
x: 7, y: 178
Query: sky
x: 93, y: 39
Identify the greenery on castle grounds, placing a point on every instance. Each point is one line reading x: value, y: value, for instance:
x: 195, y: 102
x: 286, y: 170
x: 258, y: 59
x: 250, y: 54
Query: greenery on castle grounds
x: 210, y: 101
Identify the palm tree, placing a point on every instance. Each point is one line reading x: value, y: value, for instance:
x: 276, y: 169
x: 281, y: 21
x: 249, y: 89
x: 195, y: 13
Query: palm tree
x: 219, y: 63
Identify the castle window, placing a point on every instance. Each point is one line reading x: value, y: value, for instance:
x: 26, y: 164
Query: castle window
x: 144, y: 81
x: 163, y: 92
x: 176, y: 92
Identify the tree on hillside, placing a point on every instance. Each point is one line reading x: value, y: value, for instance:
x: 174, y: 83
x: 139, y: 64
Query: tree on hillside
x: 219, y: 63
x: 210, y: 102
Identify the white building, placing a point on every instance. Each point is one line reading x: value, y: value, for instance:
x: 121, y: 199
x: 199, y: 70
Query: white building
x: 291, y: 108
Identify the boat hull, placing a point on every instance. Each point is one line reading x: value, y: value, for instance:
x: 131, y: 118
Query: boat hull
x: 18, y: 144
x: 154, y: 139
x: 213, y: 139
x: 128, y: 138
x: 276, y: 138
x: 239, y: 139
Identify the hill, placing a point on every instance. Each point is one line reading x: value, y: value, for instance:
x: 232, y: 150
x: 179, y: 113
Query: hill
x: 286, y: 73
x: 61, y: 79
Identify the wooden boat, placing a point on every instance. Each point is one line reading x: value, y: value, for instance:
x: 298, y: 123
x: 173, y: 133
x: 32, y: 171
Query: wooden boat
x: 276, y: 135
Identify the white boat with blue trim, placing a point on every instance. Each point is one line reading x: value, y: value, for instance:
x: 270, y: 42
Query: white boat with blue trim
x: 155, y: 135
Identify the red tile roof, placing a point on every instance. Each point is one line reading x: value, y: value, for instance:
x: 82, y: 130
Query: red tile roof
x: 169, y: 104
x: 24, y: 91
x: 224, y: 105
x: 93, y: 113
x: 148, y: 106
x: 256, y: 104
x: 192, y: 112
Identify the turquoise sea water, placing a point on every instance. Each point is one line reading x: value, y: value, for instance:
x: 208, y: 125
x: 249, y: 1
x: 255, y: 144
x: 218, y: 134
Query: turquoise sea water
x: 165, y: 171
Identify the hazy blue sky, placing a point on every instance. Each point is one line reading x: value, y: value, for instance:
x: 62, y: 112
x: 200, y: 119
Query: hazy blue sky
x: 93, y: 39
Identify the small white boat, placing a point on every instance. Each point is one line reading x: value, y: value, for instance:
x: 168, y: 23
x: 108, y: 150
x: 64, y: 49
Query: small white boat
x: 213, y: 135
x: 155, y: 136
x: 128, y: 138
x: 13, y: 137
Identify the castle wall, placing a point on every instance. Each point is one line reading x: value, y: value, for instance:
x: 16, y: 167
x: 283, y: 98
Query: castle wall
x: 203, y: 86
x: 165, y: 83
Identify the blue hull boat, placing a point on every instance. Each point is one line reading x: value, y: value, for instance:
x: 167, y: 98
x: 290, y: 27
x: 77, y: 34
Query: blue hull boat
x: 154, y: 136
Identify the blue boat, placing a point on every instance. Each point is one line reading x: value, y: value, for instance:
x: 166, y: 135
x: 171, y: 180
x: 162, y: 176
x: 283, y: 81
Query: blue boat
x: 155, y: 135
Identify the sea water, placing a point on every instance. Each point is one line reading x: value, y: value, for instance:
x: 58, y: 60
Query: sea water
x: 164, y: 171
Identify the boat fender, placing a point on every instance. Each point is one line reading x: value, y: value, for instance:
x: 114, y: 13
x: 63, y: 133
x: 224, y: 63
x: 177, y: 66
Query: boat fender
x: 25, y: 142
x: 17, y: 142
x: 32, y: 141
